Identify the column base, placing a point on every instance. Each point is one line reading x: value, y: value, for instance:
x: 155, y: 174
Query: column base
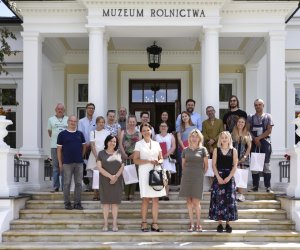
x: 293, y: 189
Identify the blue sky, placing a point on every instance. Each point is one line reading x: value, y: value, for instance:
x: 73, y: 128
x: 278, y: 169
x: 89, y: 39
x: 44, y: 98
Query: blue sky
x: 4, y: 11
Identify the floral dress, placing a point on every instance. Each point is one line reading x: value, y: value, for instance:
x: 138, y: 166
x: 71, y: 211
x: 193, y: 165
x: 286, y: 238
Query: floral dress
x: 223, y: 197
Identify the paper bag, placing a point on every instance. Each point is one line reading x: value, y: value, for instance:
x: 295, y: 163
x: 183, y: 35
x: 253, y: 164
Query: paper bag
x: 210, y: 171
x: 257, y: 161
x: 95, y: 179
x: 130, y: 174
x: 241, y: 178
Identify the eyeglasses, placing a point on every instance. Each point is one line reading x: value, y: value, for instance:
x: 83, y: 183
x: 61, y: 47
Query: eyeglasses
x: 90, y: 108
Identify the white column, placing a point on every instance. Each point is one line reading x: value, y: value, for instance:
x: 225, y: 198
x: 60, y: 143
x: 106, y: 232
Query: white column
x: 97, y: 85
x: 32, y: 68
x: 210, y: 68
x: 275, y: 105
x: 58, y: 87
x: 251, y: 85
x: 196, y: 88
x: 105, y: 72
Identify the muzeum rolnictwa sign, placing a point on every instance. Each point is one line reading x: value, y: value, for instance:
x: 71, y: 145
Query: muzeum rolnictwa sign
x: 153, y: 12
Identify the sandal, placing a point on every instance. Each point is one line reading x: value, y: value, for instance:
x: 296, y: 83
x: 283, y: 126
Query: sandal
x: 155, y: 229
x: 144, y: 228
x: 198, y: 228
x: 191, y: 228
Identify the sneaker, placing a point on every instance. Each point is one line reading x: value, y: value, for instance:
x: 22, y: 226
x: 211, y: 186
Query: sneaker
x: 68, y: 206
x: 78, y: 206
x: 241, y: 198
x: 269, y: 190
x: 254, y: 189
x: 220, y: 228
x: 228, y: 228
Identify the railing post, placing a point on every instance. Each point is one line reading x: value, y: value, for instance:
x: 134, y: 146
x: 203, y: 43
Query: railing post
x: 293, y: 189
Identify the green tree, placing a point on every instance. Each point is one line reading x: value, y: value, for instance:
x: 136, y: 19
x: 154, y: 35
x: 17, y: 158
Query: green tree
x: 5, y: 49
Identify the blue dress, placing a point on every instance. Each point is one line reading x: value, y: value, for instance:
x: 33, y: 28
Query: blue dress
x: 223, y: 197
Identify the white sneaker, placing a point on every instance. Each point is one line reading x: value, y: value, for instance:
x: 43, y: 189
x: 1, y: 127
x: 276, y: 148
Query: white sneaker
x: 241, y: 197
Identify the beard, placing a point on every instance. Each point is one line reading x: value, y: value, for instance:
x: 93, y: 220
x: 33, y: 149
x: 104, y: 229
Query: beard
x: 190, y: 110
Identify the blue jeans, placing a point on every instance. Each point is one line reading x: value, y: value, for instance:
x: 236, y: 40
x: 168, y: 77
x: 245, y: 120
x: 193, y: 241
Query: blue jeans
x: 70, y: 170
x: 55, y: 170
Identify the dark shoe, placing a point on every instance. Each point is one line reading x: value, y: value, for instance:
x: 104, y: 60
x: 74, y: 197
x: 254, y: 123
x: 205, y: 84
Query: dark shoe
x: 220, y: 228
x: 54, y: 190
x: 228, y: 228
x: 144, y: 227
x: 155, y: 229
x: 68, y: 206
x: 160, y: 198
x: 166, y: 198
x: 254, y: 189
x: 269, y: 190
x: 78, y: 206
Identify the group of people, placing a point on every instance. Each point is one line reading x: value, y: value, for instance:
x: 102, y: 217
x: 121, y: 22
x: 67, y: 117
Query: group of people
x: 110, y: 144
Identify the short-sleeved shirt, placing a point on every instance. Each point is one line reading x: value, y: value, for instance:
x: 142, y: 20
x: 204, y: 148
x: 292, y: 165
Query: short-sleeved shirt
x: 86, y: 126
x: 56, y: 125
x: 71, y: 142
x: 231, y: 117
x: 196, y: 120
x: 113, y: 129
x: 255, y: 121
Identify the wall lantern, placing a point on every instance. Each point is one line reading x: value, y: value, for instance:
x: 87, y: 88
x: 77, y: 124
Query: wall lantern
x: 154, y: 53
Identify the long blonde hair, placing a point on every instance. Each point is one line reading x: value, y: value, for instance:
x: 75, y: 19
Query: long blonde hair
x: 228, y: 135
x: 245, y: 137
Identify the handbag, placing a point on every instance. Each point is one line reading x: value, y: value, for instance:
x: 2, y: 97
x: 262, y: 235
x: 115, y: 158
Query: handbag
x: 209, y: 172
x: 241, y: 178
x: 130, y: 174
x: 257, y: 161
x: 158, y: 178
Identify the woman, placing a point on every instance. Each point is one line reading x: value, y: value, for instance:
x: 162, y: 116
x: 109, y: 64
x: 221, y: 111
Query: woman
x: 168, y: 146
x: 223, y: 196
x: 128, y: 138
x: 109, y: 163
x: 164, y: 117
x: 194, y: 165
x: 242, y: 141
x: 147, y: 154
x: 97, y: 138
x: 186, y: 126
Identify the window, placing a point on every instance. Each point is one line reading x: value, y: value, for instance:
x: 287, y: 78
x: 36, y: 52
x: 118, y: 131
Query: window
x: 8, y: 102
x: 82, y: 97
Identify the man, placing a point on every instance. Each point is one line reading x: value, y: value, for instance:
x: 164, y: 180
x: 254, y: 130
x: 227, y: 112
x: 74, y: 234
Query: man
x: 122, y: 117
x: 88, y: 124
x: 196, y: 118
x: 111, y: 125
x: 56, y: 124
x: 70, y: 151
x: 211, y: 128
x: 261, y: 127
x: 234, y: 113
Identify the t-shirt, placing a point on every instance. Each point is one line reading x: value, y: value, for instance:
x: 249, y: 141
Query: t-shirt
x: 56, y: 125
x: 71, y: 142
x: 99, y: 137
x: 231, y: 117
x: 259, y: 124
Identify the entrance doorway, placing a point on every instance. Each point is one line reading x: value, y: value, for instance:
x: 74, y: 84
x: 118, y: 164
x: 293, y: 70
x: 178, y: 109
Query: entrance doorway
x: 154, y: 96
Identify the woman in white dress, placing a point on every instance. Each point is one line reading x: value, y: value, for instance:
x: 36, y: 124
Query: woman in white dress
x: 147, y: 153
x: 97, y: 138
x: 168, y: 146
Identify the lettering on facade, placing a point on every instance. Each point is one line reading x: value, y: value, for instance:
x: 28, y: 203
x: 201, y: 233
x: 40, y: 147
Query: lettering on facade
x: 153, y: 13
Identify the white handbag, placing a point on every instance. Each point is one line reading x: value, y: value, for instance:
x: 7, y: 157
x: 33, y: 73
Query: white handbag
x: 130, y: 174
x: 210, y: 172
x: 257, y: 161
x: 241, y: 178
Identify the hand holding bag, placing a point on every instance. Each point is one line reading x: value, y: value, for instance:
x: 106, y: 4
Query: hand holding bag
x: 257, y: 161
x: 158, y: 178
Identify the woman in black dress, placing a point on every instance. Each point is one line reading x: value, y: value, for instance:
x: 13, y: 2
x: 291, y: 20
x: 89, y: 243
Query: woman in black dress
x: 223, y: 196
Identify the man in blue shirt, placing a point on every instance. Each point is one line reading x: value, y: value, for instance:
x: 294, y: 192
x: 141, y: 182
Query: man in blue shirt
x: 196, y: 118
x: 70, y: 151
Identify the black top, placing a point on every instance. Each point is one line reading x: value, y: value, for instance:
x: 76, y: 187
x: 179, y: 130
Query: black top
x: 224, y: 161
x: 231, y: 117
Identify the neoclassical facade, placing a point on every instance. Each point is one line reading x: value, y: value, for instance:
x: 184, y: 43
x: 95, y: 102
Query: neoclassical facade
x: 95, y: 50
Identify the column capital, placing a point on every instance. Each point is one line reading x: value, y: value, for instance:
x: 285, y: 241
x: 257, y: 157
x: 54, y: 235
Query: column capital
x: 251, y: 66
x: 276, y: 35
x: 58, y: 66
x: 32, y: 36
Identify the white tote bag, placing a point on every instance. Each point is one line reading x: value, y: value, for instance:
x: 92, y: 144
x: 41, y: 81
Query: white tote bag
x: 257, y: 161
x: 95, y: 179
x: 130, y: 174
x: 210, y: 171
x: 241, y: 178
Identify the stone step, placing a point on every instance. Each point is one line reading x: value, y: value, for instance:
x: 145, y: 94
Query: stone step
x: 88, y: 196
x: 178, y: 204
x: 135, y: 236
x: 277, y: 214
x: 134, y: 224
x: 150, y: 245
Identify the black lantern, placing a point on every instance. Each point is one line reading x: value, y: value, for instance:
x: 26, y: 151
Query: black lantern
x: 154, y: 56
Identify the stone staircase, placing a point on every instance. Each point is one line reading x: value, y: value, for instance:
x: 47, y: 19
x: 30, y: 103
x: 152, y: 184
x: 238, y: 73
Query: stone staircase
x: 45, y: 224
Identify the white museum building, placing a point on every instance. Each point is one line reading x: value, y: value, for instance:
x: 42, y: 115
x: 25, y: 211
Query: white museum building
x: 83, y: 51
